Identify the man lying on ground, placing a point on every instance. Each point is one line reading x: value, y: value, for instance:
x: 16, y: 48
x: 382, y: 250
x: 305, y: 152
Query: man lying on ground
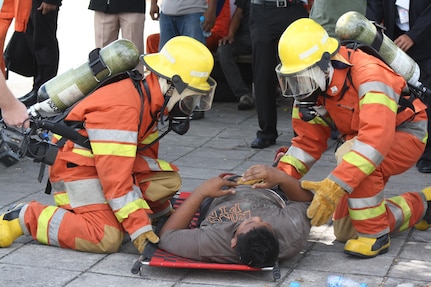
x: 239, y: 223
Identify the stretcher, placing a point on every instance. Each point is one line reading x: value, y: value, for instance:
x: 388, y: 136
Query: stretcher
x: 156, y: 257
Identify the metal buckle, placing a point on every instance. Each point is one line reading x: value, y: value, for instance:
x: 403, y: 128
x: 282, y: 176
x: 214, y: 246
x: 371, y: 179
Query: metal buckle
x: 281, y: 3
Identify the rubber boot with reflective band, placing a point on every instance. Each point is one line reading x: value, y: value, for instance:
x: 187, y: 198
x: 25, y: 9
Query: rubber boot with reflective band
x: 425, y: 223
x: 10, y: 229
x: 367, y: 247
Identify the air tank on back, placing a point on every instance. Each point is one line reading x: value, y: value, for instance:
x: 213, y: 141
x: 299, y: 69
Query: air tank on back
x: 354, y: 26
x: 66, y: 89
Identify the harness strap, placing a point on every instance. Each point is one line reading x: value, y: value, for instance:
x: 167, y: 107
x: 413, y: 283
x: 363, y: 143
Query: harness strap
x: 96, y: 62
x: 378, y: 40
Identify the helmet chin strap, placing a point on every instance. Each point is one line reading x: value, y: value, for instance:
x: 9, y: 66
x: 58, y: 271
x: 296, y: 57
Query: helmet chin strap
x: 306, y: 110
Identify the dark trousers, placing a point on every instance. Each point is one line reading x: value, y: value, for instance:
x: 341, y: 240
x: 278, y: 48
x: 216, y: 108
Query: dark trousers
x: 266, y: 26
x: 226, y: 56
x: 42, y: 31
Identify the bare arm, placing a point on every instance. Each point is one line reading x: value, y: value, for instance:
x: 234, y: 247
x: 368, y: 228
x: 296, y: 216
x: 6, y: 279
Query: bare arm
x: 154, y: 10
x: 13, y: 111
x: 235, y: 22
x: 210, y: 16
x: 272, y: 176
x: 181, y: 218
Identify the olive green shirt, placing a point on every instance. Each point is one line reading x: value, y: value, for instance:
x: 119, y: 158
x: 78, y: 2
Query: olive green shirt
x: 327, y: 12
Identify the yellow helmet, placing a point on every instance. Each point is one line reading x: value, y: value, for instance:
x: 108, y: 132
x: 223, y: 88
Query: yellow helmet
x: 185, y: 57
x: 302, y: 45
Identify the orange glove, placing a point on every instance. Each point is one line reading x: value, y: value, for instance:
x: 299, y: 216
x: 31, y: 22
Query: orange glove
x: 142, y: 240
x: 327, y: 194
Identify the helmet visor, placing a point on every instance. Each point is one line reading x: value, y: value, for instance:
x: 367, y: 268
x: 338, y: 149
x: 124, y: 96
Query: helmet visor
x: 302, y: 84
x: 191, y: 99
x: 206, y: 100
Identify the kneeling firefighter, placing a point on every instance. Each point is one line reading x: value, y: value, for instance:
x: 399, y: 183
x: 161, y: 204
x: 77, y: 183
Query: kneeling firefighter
x: 363, y: 98
x: 114, y: 182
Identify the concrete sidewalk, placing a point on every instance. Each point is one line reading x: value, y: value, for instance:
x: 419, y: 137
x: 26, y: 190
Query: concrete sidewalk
x: 218, y: 143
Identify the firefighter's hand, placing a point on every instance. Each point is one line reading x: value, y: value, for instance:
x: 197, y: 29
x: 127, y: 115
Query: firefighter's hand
x: 142, y: 240
x: 327, y: 194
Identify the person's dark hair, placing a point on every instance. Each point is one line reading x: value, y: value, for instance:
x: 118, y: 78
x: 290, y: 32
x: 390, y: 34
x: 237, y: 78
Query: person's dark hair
x: 258, y: 248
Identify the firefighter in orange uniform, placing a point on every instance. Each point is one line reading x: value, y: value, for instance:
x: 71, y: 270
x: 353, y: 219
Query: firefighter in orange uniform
x: 358, y: 94
x: 119, y: 184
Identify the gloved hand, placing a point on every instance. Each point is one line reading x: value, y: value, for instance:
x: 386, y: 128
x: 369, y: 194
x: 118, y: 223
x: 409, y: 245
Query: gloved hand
x: 142, y: 240
x: 327, y: 194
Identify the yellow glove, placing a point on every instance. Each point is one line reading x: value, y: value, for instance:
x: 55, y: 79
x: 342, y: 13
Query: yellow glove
x: 241, y: 181
x: 327, y: 194
x: 142, y: 240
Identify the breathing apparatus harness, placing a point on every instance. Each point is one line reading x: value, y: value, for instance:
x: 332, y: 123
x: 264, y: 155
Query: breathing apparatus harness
x: 180, y: 126
x: 306, y: 108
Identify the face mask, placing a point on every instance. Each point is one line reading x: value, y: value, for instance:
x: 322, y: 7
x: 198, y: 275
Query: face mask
x: 179, y: 122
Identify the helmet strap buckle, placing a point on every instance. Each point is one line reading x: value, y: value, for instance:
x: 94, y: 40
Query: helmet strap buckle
x: 178, y: 83
x: 324, y: 61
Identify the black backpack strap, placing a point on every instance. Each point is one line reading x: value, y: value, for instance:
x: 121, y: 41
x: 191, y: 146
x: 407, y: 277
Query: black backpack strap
x: 67, y: 132
x: 378, y: 39
x: 96, y: 63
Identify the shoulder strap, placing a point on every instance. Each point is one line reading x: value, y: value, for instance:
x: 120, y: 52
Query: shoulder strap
x: 406, y: 99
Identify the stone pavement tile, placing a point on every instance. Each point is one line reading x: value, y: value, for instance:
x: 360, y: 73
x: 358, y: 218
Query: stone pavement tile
x: 120, y: 264
x: 53, y: 258
x: 16, y: 275
x: 420, y: 236
x: 103, y: 280
x: 408, y: 270
x: 333, y: 262
x: 318, y: 279
x: 18, y: 181
x: 232, y: 278
x: 399, y: 282
x: 209, y: 160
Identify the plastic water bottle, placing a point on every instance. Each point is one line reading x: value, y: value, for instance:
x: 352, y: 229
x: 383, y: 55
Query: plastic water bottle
x: 294, y: 284
x: 340, y: 281
x: 202, y: 20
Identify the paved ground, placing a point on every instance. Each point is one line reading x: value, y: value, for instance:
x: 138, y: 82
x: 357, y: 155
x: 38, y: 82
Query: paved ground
x: 219, y: 143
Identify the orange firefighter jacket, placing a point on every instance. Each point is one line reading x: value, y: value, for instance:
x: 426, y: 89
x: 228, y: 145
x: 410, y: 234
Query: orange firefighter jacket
x: 368, y: 110
x: 101, y: 178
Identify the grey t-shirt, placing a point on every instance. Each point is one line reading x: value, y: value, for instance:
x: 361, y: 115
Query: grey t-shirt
x: 183, y: 7
x: 211, y: 242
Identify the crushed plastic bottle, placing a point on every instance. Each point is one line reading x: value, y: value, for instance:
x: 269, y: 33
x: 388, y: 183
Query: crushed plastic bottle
x: 340, y: 281
x: 202, y: 20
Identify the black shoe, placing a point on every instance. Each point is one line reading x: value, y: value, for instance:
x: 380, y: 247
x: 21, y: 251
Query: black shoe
x: 246, y: 102
x: 197, y: 115
x: 29, y: 99
x: 262, y: 143
x: 424, y: 166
